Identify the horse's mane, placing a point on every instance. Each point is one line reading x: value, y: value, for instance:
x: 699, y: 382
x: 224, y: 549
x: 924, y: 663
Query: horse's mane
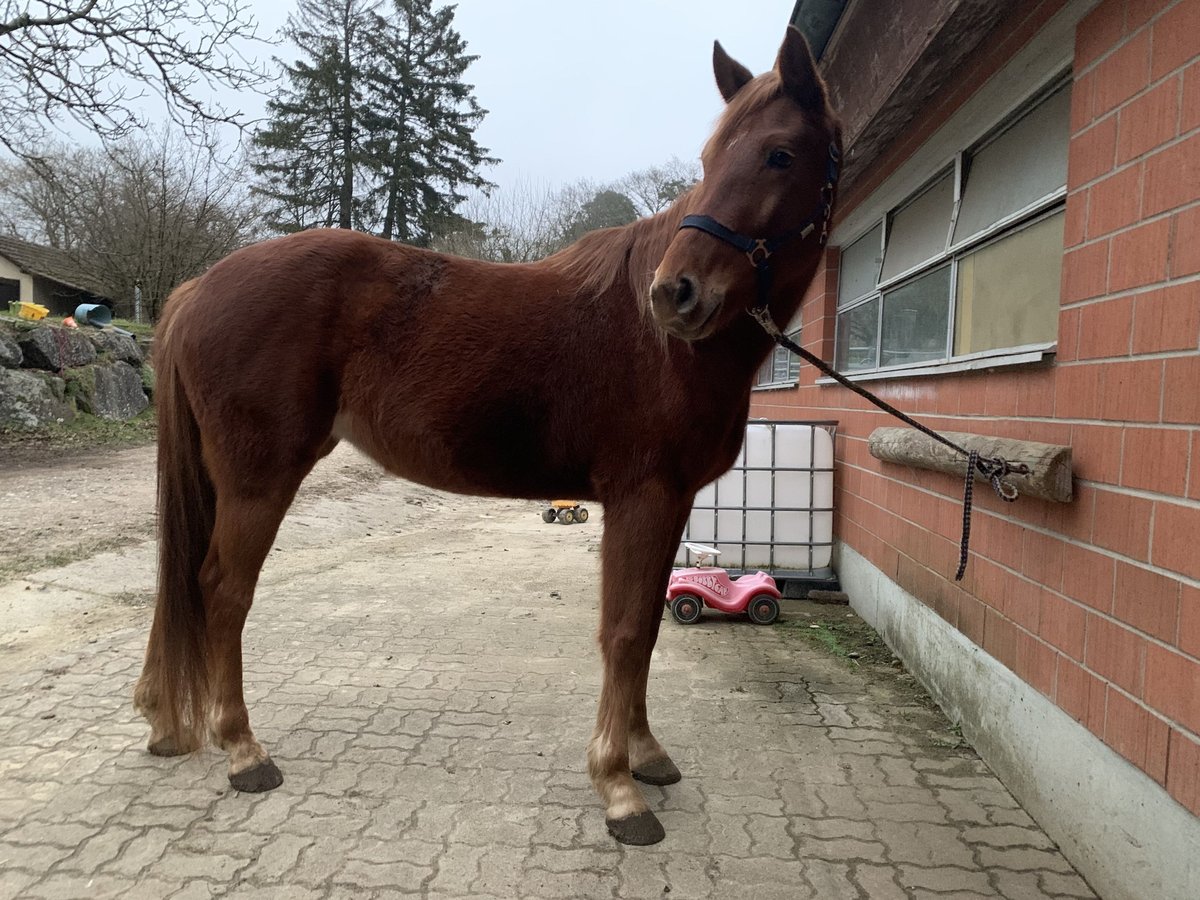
x: 625, y: 256
x: 629, y: 254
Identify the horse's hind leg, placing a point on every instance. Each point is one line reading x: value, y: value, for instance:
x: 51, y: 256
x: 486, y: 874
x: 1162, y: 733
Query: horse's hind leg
x: 245, y: 529
x: 641, y: 532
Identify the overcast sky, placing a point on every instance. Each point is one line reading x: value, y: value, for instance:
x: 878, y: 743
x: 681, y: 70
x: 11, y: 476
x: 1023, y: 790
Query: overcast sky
x: 597, y: 89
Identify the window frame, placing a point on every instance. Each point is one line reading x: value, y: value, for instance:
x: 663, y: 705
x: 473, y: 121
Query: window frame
x: 1031, y: 213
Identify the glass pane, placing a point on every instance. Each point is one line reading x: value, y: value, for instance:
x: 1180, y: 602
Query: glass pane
x: 793, y: 368
x: 859, y: 272
x: 780, y: 359
x: 1022, y: 165
x: 1008, y: 290
x: 915, y: 320
x: 918, y: 231
x: 858, y: 337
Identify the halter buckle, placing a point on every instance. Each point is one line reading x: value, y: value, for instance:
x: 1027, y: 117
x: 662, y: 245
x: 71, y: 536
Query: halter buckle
x: 760, y: 246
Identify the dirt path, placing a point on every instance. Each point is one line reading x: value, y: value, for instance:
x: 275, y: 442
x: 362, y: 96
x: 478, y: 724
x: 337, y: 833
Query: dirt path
x: 77, y: 559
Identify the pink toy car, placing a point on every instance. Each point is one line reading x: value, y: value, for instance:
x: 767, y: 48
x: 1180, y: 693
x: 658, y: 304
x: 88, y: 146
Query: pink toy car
x: 690, y: 590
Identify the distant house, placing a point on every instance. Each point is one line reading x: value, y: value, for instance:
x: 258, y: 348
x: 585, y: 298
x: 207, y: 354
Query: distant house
x: 42, y: 275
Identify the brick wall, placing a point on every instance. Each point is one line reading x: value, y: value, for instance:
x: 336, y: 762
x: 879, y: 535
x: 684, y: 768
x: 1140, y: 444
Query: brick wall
x: 1097, y: 603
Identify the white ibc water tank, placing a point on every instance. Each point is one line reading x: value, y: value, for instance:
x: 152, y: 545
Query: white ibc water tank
x: 773, y: 510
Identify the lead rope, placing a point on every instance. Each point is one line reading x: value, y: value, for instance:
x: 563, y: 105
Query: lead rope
x: 994, y: 469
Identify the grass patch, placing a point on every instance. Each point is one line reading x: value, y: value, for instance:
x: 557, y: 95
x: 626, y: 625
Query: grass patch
x: 25, y: 564
x: 85, y: 433
x: 841, y: 634
x: 144, y: 330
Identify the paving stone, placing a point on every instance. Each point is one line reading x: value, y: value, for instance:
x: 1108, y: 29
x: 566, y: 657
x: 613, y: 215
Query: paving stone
x: 443, y: 754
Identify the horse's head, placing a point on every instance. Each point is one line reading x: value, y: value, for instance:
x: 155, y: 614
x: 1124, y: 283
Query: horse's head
x: 768, y: 173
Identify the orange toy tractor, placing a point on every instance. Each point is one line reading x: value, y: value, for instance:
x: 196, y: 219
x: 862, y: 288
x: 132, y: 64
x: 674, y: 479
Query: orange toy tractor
x: 566, y: 512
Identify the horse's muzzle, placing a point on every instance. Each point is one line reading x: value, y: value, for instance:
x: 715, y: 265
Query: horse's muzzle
x: 682, y: 308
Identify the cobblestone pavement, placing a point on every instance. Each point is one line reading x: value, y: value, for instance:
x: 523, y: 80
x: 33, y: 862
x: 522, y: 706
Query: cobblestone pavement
x: 423, y: 670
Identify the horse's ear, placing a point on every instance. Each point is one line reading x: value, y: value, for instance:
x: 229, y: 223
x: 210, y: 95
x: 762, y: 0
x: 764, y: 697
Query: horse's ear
x: 798, y: 72
x: 731, y: 74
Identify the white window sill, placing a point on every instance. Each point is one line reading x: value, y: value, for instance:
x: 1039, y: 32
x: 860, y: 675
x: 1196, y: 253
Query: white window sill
x: 777, y: 385
x: 991, y: 359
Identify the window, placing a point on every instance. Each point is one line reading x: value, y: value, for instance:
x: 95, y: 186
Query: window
x: 782, y: 367
x: 969, y: 264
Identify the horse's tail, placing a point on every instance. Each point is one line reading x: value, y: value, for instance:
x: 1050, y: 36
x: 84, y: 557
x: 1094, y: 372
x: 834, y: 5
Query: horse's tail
x: 186, y: 510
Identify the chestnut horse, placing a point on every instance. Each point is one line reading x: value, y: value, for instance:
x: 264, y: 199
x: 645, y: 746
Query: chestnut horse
x: 436, y: 367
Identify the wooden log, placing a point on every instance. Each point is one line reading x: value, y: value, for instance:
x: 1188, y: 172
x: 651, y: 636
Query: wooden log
x: 1049, y: 464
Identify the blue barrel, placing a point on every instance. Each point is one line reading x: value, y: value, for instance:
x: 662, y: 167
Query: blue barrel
x: 93, y: 314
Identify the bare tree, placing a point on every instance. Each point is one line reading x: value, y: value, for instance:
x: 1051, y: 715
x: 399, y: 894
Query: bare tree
x: 654, y: 189
x: 153, y: 212
x: 93, y: 60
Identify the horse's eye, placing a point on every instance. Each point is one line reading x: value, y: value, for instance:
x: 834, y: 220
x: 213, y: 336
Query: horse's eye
x: 779, y: 159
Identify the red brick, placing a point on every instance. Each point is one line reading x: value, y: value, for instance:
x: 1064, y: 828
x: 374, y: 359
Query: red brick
x: 1023, y: 604
x: 1127, y: 729
x: 1068, y: 335
x: 1122, y: 74
x: 1041, y: 561
x: 1150, y: 120
x: 1156, y: 459
x: 1173, y: 686
x: 1115, y: 653
x: 971, y: 618
x: 1088, y: 577
x: 1190, y: 104
x: 1175, y: 531
x: 1115, y: 202
x: 1097, y: 701
x: 1130, y: 391
x: 1083, y: 93
x: 1096, y: 451
x: 1139, y: 256
x: 1147, y: 600
x: 1085, y: 272
x: 1105, y: 328
x: 1000, y: 638
x: 1035, y: 663
x: 1123, y: 524
x: 1181, y: 390
x: 1189, y: 620
x: 1072, y: 688
x: 1062, y: 624
x: 1167, y: 319
x: 1073, y: 520
x: 1075, y: 224
x: 1098, y: 31
x: 1092, y: 153
x: 1077, y: 391
x: 1035, y: 393
x: 1183, y: 771
x: 1194, y: 474
x: 1185, y: 247
x: 1172, y: 177
x: 1139, y: 12
x: 1175, y: 37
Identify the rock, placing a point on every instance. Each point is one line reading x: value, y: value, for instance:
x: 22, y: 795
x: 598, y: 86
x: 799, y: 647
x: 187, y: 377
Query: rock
x: 55, y: 348
x: 10, y: 352
x: 30, y: 399
x: 118, y: 346
x: 119, y: 393
x: 147, y: 373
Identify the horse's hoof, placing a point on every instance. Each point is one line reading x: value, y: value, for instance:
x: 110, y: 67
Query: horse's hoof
x: 167, y: 747
x: 659, y: 772
x: 639, y: 829
x: 265, y: 776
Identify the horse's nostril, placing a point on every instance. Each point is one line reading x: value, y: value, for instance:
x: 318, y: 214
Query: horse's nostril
x: 685, y: 294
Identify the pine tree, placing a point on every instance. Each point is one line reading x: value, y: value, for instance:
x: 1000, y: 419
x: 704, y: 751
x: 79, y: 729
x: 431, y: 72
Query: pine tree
x: 311, y: 152
x: 423, y: 118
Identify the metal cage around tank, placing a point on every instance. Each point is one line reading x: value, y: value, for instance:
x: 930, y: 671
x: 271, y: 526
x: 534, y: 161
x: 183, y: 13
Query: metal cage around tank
x: 773, y: 509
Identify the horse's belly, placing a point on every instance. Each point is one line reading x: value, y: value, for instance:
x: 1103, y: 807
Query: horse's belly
x: 488, y: 458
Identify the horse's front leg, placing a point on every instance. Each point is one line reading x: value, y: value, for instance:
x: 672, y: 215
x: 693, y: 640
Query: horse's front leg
x: 641, y: 532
